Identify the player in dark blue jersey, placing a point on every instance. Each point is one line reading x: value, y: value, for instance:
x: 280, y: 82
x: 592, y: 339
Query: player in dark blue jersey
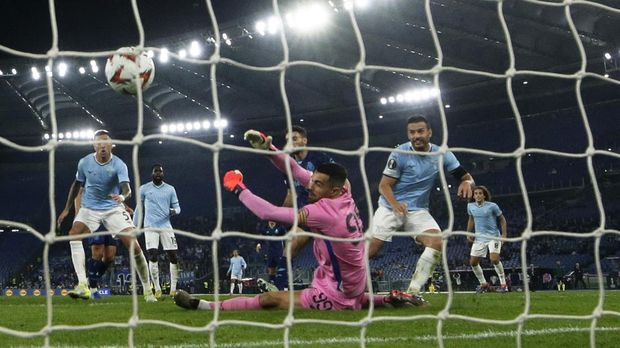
x: 273, y: 248
x: 309, y: 160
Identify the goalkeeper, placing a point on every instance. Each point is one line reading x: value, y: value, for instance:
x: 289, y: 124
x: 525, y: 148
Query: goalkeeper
x: 340, y: 279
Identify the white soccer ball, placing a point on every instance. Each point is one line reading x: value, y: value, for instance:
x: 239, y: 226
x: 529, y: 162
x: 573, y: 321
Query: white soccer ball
x: 127, y: 65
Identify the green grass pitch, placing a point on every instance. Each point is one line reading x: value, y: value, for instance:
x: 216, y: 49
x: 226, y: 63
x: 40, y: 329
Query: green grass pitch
x: 29, y: 314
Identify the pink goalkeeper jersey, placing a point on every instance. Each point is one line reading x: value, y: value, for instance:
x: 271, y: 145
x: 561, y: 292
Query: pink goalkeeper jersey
x: 341, y: 264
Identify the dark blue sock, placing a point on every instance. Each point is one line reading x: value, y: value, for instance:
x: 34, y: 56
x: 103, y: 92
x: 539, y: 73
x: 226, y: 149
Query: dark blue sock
x: 93, y: 277
x: 281, y: 279
x: 95, y: 270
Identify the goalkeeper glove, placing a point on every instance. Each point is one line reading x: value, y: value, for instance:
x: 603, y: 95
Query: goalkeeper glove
x: 257, y: 139
x: 233, y: 181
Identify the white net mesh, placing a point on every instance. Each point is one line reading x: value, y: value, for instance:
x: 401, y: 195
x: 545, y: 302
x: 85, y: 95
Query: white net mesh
x: 216, y: 60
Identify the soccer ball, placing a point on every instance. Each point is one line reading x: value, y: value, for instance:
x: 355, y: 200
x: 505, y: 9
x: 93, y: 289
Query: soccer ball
x: 125, y: 66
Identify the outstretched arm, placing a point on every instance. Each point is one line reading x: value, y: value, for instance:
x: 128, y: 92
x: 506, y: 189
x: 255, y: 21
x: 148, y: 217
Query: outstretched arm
x: 233, y: 181
x: 261, y: 141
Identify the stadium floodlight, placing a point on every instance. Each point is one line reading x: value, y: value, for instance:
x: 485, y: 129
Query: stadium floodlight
x: 607, y: 56
x: 273, y: 25
x: 93, y: 62
x: 82, y: 70
x: 94, y: 69
x: 189, y: 126
x: 90, y: 133
x: 525, y: 82
x: 62, y: 69
x: 35, y: 73
x: 380, y: 116
x: 400, y: 98
x: 232, y: 135
x: 194, y: 49
x: 260, y: 27
x: 221, y: 123
x: 46, y: 136
x: 173, y: 128
x: 391, y: 99
x: 164, y: 128
x: 606, y: 75
x: 61, y: 135
x: 14, y: 71
x: 164, y: 55
x: 180, y: 127
x: 68, y: 135
x: 150, y: 53
x: 182, y: 53
x: 228, y: 42
x: 196, y: 125
x: 206, y: 124
x: 308, y: 18
x: 224, y: 36
x: 1, y: 73
x: 383, y: 100
x: 76, y: 135
x: 447, y: 106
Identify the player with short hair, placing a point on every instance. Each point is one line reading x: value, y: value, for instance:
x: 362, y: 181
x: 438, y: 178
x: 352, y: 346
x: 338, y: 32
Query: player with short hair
x: 483, y: 216
x: 405, y: 187
x: 236, y: 268
x: 160, y: 202
x: 275, y: 249
x: 339, y: 281
x: 106, y: 186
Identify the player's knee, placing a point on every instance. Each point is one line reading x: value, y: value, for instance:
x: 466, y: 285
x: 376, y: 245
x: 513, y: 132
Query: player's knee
x: 152, y: 255
x: 375, y: 247
x: 172, y: 256
x: 269, y: 300
x: 473, y: 262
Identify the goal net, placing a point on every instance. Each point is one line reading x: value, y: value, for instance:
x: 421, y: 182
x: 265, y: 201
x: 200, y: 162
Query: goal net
x: 504, y: 142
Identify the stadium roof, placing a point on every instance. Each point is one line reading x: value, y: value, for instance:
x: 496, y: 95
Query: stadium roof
x: 394, y: 33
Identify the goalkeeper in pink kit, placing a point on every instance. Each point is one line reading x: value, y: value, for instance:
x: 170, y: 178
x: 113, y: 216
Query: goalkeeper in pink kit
x: 339, y: 281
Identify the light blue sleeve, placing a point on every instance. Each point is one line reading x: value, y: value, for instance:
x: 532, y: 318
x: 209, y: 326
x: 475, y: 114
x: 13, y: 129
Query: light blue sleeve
x: 174, y: 201
x: 393, y: 167
x: 79, y: 175
x: 121, y: 170
x: 496, y: 210
x: 469, y: 209
x: 243, y: 264
x: 450, y: 162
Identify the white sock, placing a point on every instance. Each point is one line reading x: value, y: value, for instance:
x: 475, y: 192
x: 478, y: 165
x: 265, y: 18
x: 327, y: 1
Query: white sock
x: 232, y: 288
x: 240, y: 285
x: 154, y: 271
x: 499, y: 268
x: 142, y: 269
x: 78, y: 258
x: 479, y: 274
x: 174, y: 276
x: 204, y: 305
x: 423, y: 270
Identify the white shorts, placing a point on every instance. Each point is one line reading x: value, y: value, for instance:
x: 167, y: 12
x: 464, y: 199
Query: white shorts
x: 236, y: 276
x: 479, y: 249
x: 114, y: 220
x: 168, y: 240
x: 385, y: 222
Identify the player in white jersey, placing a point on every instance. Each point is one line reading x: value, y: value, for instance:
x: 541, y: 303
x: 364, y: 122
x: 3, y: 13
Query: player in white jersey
x: 160, y: 202
x: 483, y: 216
x: 237, y: 265
x: 405, y: 187
x: 106, y: 186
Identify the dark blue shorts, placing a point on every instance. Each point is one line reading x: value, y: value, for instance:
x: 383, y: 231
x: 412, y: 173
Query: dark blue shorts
x: 102, y: 239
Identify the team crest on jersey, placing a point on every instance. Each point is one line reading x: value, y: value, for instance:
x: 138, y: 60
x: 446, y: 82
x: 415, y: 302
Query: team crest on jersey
x: 391, y: 163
